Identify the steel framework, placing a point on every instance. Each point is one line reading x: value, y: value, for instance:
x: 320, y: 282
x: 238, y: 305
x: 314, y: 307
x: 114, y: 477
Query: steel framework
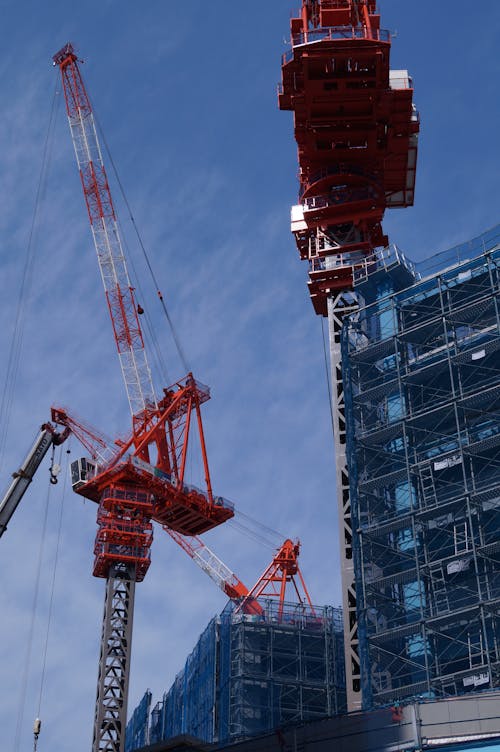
x: 143, y: 479
x: 356, y: 130
x: 422, y: 375
x: 112, y: 682
x: 251, y: 674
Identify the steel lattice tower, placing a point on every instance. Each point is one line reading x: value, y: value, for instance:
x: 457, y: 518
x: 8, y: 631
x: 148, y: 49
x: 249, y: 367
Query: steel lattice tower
x: 142, y: 478
x: 356, y: 131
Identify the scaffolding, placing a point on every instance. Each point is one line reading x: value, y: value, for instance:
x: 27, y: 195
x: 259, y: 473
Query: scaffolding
x: 189, y: 706
x: 422, y: 397
x: 279, y: 671
x: 137, y: 731
x: 252, y: 674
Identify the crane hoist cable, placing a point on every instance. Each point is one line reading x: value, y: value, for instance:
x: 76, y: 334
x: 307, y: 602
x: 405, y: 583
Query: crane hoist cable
x: 266, y: 528
x: 152, y: 338
x: 31, y: 631
x: 54, y: 575
x: 252, y: 535
x: 256, y: 531
x: 14, y: 356
x: 175, y: 337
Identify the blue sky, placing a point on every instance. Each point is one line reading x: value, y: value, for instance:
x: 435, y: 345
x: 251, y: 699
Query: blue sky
x: 186, y: 94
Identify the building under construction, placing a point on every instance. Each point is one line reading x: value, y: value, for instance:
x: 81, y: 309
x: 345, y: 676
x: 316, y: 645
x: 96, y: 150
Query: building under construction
x: 453, y: 725
x: 415, y: 372
x: 249, y: 674
x: 422, y: 385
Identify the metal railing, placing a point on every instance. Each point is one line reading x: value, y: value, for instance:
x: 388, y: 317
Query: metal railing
x: 458, y: 254
x: 335, y: 33
x: 340, y: 195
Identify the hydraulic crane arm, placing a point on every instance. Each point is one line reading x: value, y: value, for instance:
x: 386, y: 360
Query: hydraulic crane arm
x: 22, y: 478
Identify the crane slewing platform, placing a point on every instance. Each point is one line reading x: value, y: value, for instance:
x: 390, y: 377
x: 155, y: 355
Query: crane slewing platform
x: 356, y: 130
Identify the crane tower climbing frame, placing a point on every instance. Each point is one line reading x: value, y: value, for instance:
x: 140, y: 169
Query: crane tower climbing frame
x: 356, y: 130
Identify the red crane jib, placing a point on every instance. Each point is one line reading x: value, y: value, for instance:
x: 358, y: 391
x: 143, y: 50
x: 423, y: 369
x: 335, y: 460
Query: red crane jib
x: 355, y: 127
x: 284, y: 570
x: 142, y: 478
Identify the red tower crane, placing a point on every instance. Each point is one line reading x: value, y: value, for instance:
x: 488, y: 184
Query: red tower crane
x: 283, y: 571
x: 356, y: 130
x: 129, y: 486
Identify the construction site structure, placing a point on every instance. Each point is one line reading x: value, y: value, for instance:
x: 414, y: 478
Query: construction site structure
x: 282, y: 571
x: 421, y: 362
x: 144, y: 478
x: 249, y: 674
x: 453, y: 725
x: 271, y: 657
x: 356, y: 130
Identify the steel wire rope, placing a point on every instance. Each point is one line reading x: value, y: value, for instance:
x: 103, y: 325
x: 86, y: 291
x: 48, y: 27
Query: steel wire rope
x: 15, y: 348
x: 155, y: 346
x: 252, y: 535
x: 173, y: 332
x: 54, y: 575
x: 259, y: 533
x: 260, y: 525
x: 29, y: 644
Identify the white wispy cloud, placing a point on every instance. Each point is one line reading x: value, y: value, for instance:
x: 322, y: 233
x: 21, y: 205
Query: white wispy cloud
x: 187, y: 98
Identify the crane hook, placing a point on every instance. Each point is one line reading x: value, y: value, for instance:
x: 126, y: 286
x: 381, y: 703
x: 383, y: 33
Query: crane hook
x: 36, y: 732
x: 54, y: 469
x: 54, y: 472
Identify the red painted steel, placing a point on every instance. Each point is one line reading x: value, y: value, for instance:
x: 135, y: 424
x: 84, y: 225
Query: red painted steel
x: 97, y: 194
x: 128, y: 465
x: 284, y: 570
x: 356, y: 131
x: 145, y: 471
x: 125, y: 531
